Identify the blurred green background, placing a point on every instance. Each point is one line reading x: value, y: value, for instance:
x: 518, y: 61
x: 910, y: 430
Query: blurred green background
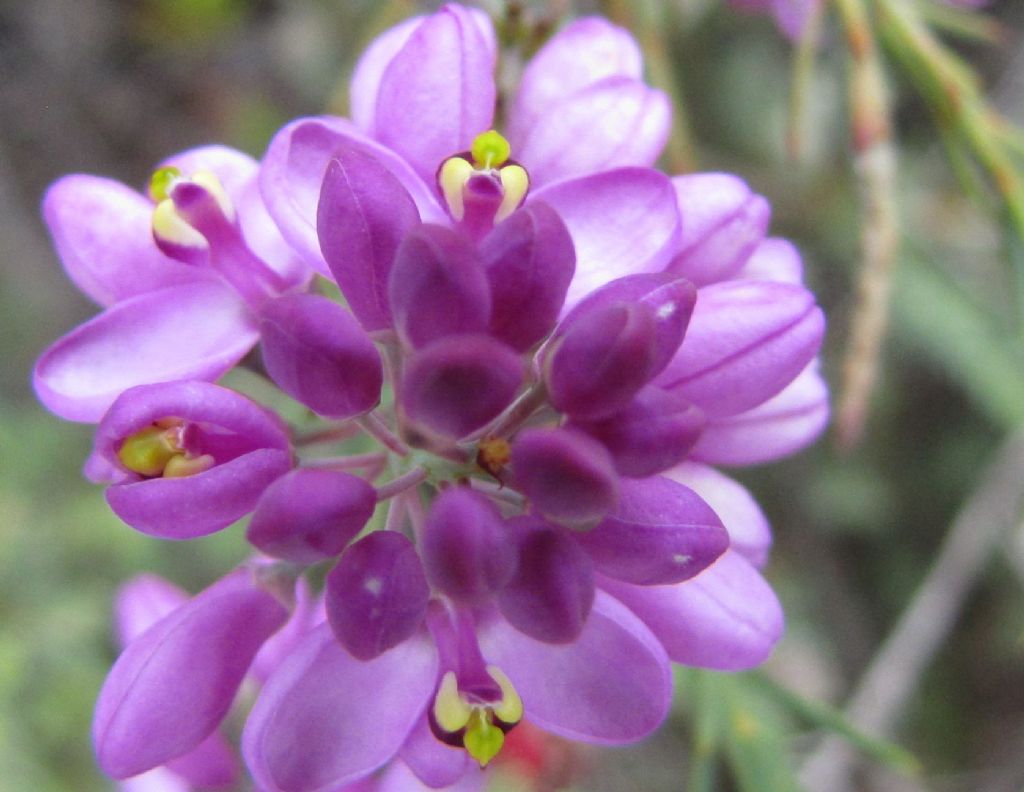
x: 108, y: 87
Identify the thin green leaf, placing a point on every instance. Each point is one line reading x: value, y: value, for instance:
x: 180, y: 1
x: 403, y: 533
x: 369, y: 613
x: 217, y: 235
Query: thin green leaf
x: 755, y: 745
x: 823, y: 716
x: 962, y: 338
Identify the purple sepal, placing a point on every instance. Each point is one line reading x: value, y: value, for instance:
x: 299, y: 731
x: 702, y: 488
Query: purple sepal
x: 569, y: 477
x: 601, y: 360
x: 434, y: 763
x: 727, y: 618
x: 458, y: 384
x: 670, y: 298
x: 723, y: 221
x: 210, y: 765
x: 612, y: 685
x: 325, y: 719
x: 364, y: 213
x: 376, y: 594
x: 308, y: 515
x: 292, y: 173
x: 746, y: 341
x: 318, y: 354
x: 249, y: 446
x: 529, y: 260
x: 437, y: 90
x: 437, y: 287
x: 661, y: 532
x: 654, y: 432
x: 552, y: 591
x: 783, y: 425
x: 194, y: 330
x: 173, y: 685
x: 749, y: 532
x: 466, y: 550
x: 622, y: 222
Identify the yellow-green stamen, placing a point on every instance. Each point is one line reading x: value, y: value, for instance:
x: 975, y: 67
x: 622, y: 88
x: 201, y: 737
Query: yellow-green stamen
x: 490, y: 150
x: 161, y: 181
x: 147, y: 452
x: 483, y: 740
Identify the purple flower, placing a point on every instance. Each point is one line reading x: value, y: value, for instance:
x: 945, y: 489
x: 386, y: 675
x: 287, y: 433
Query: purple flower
x: 141, y: 603
x: 543, y: 343
x: 180, y: 275
x: 173, y: 684
x: 462, y: 678
x: 185, y: 459
x: 580, y: 124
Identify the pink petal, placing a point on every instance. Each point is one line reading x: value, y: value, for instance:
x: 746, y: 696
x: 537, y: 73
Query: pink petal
x: 613, y: 123
x: 438, y: 92
x: 783, y: 425
x: 774, y: 259
x: 193, y: 331
x: 103, y: 235
x: 581, y: 54
x: 746, y: 341
x: 325, y: 719
x: 621, y: 222
x: 612, y: 685
x: 726, y: 618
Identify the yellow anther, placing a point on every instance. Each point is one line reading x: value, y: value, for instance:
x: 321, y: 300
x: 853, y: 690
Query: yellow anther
x: 171, y: 227
x: 181, y: 465
x: 451, y: 711
x: 493, y: 455
x: 515, y: 182
x: 147, y: 452
x: 490, y: 150
x: 455, y: 172
x: 160, y: 183
x: 483, y: 740
x: 510, y: 709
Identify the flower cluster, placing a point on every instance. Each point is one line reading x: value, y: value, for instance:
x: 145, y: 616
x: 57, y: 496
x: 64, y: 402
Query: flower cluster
x: 545, y: 341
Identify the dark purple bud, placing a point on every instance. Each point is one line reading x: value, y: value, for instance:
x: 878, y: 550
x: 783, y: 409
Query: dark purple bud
x: 173, y: 685
x: 466, y: 549
x: 670, y: 297
x: 604, y: 358
x: 569, y: 478
x: 660, y: 533
x: 437, y: 287
x: 654, y: 432
x: 551, y: 594
x: 723, y: 221
x: 363, y: 215
x: 309, y: 515
x: 747, y: 341
x: 530, y: 261
x: 317, y: 353
x: 195, y: 457
x: 376, y: 594
x: 459, y: 384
